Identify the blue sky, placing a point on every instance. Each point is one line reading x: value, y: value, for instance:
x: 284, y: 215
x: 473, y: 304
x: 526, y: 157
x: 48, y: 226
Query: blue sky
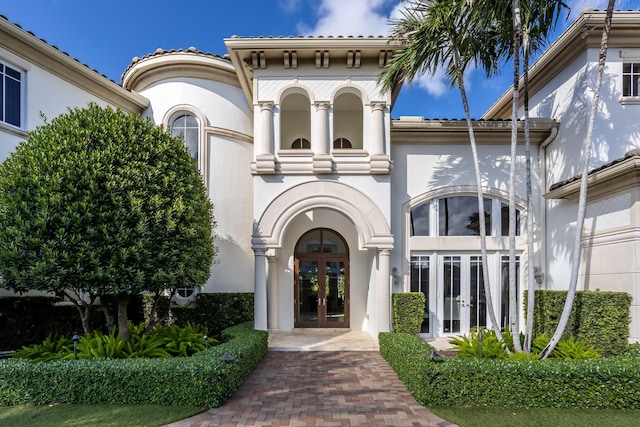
x: 107, y: 34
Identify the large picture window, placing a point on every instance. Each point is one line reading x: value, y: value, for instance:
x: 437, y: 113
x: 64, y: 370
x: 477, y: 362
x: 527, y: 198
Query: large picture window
x: 459, y: 216
x: 10, y: 95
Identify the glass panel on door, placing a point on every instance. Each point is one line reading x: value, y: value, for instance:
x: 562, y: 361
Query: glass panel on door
x: 335, y: 291
x: 452, y: 296
x: 477, y: 299
x: 308, y: 288
x: 420, y: 283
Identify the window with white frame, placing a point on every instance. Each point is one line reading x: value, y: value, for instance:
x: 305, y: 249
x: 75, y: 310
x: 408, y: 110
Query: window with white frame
x: 186, y: 126
x: 630, y: 79
x: 10, y: 95
x: 459, y: 216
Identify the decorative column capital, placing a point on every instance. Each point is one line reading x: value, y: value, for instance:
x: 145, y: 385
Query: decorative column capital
x: 322, y: 105
x: 384, y: 252
x: 378, y: 106
x: 267, y: 105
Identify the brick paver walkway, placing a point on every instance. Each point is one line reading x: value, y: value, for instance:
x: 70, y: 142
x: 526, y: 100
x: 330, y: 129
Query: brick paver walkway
x: 347, y: 388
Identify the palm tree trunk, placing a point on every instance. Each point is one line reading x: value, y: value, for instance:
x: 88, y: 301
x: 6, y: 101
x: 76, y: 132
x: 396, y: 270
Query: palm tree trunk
x: 528, y: 335
x: 481, y: 215
x: 513, y: 288
x: 582, y: 203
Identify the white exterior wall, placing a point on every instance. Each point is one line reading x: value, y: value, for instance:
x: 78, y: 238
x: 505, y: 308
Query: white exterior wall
x: 42, y: 92
x: 567, y: 98
x: 228, y: 160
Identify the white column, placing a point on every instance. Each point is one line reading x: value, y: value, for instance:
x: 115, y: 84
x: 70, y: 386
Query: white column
x: 272, y: 293
x: 266, y: 129
x: 377, y: 128
x: 320, y: 140
x: 263, y: 147
x: 260, y: 291
x: 384, y: 291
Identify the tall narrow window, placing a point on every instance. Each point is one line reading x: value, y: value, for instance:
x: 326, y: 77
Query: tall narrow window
x: 10, y: 104
x: 420, y: 283
x: 187, y: 126
x: 630, y: 79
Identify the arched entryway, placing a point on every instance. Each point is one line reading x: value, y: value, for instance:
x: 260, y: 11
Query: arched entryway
x: 321, y: 280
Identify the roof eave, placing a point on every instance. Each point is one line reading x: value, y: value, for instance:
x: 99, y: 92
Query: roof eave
x: 38, y: 52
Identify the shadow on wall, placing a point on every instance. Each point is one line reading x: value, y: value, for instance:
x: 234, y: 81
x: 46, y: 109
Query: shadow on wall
x: 613, y: 136
x: 236, y: 279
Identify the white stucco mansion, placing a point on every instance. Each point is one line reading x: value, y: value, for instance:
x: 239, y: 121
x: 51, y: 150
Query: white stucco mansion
x: 326, y: 205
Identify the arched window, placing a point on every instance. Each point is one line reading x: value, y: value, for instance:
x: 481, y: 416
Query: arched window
x: 301, y: 143
x: 458, y: 216
x: 187, y: 126
x: 342, y: 143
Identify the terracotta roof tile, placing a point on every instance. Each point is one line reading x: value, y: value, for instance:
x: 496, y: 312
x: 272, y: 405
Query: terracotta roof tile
x: 630, y: 154
x: 161, y: 52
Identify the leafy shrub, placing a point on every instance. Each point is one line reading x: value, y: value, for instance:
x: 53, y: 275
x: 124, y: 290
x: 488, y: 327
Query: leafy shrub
x: 599, y: 319
x: 492, y: 348
x: 179, y: 341
x: 470, y: 346
x: 602, y: 383
x: 408, y: 309
x: 164, y: 341
x: 201, y: 380
x: 52, y: 348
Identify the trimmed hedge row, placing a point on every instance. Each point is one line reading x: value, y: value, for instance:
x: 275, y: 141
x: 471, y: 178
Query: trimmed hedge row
x: 612, y: 383
x: 201, y: 380
x: 599, y: 319
x: 408, y: 309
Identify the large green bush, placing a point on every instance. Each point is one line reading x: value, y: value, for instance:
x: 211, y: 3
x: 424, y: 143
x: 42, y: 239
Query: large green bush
x: 599, y: 319
x: 408, y: 309
x: 603, y: 383
x: 200, y: 380
x: 100, y: 202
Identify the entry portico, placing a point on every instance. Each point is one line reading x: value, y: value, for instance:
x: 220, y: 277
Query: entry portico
x: 349, y: 213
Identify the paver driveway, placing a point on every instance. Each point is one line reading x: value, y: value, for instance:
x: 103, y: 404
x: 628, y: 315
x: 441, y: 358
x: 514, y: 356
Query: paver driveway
x: 320, y: 388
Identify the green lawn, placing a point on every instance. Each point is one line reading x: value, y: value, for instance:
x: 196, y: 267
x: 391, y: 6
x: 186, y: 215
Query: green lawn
x: 94, y: 415
x: 547, y: 417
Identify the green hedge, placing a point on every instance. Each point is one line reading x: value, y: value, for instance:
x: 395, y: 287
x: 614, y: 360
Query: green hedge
x: 408, y: 309
x: 603, y: 383
x: 600, y: 319
x: 216, y: 311
x: 201, y: 380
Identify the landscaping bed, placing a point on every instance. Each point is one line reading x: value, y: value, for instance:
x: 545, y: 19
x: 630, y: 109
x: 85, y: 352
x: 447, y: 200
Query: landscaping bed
x: 201, y: 380
x: 612, y: 383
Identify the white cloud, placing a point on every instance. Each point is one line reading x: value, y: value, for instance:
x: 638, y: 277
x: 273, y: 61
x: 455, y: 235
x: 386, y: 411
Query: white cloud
x: 290, y: 6
x: 349, y: 18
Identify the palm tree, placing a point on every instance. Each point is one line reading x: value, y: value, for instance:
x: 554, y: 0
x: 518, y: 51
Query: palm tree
x: 523, y: 27
x: 442, y: 33
x: 582, y: 200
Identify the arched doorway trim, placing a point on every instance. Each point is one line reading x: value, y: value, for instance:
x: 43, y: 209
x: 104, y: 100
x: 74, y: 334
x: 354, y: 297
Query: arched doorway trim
x: 371, y: 225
